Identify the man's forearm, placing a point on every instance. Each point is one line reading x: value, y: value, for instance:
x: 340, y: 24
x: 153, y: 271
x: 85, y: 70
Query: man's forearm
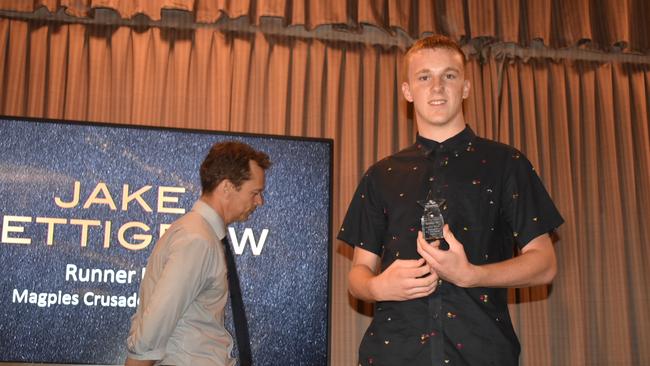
x: 535, y: 266
x: 132, y: 362
x: 359, y: 280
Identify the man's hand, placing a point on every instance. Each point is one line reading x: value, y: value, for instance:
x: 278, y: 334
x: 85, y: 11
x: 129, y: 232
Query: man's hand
x: 535, y: 265
x: 404, y: 280
x: 452, y: 264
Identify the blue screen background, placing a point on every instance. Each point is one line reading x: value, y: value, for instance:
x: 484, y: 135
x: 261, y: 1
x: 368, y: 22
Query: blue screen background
x: 285, y: 288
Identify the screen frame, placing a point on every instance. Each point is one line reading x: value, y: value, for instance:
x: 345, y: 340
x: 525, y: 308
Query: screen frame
x: 328, y: 141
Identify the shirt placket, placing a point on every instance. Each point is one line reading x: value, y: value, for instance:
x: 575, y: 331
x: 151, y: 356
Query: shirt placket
x: 438, y: 161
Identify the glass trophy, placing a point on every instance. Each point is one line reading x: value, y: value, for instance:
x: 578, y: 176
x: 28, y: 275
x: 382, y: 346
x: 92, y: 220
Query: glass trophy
x: 432, y: 220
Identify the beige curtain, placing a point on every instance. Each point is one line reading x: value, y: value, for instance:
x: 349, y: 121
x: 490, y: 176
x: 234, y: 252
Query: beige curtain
x: 582, y: 119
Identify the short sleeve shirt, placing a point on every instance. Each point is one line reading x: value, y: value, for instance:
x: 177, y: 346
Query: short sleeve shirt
x: 493, y: 201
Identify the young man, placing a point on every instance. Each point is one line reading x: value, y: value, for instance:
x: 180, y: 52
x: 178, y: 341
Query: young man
x: 180, y: 319
x: 445, y: 302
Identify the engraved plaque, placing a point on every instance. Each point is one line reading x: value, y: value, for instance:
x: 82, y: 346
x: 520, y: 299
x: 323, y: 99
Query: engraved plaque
x: 432, y: 220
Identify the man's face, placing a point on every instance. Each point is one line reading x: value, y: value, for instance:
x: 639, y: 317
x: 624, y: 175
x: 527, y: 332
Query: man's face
x: 436, y: 86
x: 243, y: 201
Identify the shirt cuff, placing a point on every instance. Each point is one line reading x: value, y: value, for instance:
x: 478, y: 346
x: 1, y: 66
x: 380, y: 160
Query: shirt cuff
x: 156, y: 354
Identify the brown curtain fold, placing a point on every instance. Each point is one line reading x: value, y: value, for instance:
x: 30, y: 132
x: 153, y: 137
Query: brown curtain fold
x: 583, y: 122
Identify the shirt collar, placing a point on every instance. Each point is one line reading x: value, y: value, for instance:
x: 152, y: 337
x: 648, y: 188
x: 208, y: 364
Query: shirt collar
x: 457, y: 142
x: 212, y: 217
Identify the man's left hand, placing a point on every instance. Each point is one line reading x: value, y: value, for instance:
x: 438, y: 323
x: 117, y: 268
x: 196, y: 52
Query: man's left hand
x: 452, y: 264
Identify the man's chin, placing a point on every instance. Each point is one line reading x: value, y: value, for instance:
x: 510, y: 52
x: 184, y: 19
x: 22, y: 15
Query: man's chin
x: 246, y: 216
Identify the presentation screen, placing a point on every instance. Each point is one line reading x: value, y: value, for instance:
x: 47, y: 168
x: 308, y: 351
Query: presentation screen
x: 82, y: 206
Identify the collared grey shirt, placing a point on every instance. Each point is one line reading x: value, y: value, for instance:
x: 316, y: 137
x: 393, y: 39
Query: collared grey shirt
x: 180, y: 318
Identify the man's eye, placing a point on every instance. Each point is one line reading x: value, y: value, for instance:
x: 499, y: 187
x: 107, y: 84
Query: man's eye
x: 450, y: 76
x: 423, y: 78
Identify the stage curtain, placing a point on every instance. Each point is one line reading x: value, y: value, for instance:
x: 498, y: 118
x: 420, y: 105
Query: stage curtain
x: 583, y: 123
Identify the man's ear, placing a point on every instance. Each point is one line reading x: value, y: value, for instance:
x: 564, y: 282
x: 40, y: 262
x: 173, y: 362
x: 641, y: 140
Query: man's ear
x: 406, y: 90
x: 224, y: 187
x: 466, y: 87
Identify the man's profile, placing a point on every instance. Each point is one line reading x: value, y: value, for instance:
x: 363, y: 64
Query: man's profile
x: 180, y: 318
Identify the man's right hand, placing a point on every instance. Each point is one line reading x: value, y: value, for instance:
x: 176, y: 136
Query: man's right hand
x: 402, y: 280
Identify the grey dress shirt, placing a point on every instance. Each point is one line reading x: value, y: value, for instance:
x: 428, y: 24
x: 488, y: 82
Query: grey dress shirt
x: 180, y: 318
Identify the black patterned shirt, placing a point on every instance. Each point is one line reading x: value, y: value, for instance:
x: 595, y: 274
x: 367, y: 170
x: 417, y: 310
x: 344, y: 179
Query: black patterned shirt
x: 494, y: 201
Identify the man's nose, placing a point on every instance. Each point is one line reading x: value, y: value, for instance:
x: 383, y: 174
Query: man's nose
x: 437, y: 85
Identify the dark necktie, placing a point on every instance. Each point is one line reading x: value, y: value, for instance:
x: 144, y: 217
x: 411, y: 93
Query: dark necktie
x: 238, y: 311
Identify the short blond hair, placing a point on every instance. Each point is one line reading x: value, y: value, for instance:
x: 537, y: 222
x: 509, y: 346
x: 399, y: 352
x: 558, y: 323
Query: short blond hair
x: 433, y: 42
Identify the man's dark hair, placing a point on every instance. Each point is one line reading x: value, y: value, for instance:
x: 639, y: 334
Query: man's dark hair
x: 230, y: 160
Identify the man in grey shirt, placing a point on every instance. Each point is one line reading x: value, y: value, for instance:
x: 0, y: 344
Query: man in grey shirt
x: 180, y: 318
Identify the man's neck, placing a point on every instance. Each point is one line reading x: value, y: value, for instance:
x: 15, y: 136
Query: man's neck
x: 216, y: 205
x: 441, y: 133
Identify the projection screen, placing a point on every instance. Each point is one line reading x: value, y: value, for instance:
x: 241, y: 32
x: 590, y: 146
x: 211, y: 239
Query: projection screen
x: 81, y: 207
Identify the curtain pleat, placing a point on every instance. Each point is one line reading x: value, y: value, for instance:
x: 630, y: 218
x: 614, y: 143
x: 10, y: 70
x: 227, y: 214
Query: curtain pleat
x: 583, y: 124
x: 639, y: 255
x: 35, y: 98
x: 76, y: 85
x: 299, y: 60
x: 628, y: 183
x: 220, y: 82
x: 277, y: 95
x: 369, y: 117
x: 567, y: 314
x: 4, y: 61
x: 387, y: 132
x: 614, y: 281
x: 15, y: 72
